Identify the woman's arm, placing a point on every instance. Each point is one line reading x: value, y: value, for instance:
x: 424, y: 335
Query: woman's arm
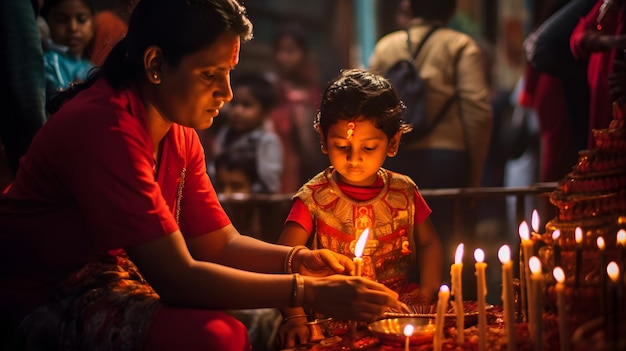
x: 181, y: 280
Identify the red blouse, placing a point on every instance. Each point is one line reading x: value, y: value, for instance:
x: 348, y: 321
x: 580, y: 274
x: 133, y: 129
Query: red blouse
x: 89, y: 186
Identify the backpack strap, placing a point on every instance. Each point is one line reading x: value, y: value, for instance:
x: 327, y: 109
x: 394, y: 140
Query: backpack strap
x: 421, y: 44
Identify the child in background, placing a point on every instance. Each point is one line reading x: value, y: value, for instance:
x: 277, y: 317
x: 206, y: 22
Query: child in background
x: 360, y: 124
x: 71, y: 31
x: 253, y: 99
x: 235, y: 172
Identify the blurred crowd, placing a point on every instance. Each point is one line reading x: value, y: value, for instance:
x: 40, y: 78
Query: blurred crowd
x: 264, y: 141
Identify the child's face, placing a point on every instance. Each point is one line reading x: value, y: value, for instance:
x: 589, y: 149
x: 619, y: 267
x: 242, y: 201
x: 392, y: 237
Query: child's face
x: 245, y: 111
x: 288, y: 55
x: 232, y: 181
x: 71, y: 25
x: 358, y: 159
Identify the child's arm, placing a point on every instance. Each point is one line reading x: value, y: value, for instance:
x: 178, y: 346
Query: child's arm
x: 429, y: 253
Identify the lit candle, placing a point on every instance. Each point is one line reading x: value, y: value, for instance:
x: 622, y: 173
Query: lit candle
x: 481, y: 284
x: 442, y: 308
x: 534, y: 222
x: 559, y: 288
x: 358, y: 252
x: 508, y: 303
x: 527, y: 251
x: 578, y: 236
x: 408, y: 331
x: 621, y: 242
x: 456, y: 274
x: 535, y: 311
x: 556, y: 235
x: 603, y: 287
x: 612, y: 270
x: 358, y: 263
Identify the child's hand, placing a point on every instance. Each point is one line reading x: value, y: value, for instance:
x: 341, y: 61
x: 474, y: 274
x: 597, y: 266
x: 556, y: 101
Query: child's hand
x: 321, y: 263
x: 291, y: 333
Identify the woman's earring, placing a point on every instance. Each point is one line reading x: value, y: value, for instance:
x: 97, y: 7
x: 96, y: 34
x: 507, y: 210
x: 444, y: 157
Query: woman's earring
x: 155, y: 76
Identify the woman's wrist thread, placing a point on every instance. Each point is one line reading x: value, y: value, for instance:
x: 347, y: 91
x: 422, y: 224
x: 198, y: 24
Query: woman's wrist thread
x: 289, y: 259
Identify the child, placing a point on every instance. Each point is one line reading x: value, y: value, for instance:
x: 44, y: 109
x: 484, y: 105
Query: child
x: 71, y: 31
x: 360, y: 124
x: 253, y: 98
x: 236, y: 172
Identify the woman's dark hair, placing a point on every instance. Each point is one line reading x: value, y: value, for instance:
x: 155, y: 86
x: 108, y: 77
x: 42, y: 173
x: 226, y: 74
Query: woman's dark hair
x: 433, y: 10
x: 357, y: 94
x: 260, y: 87
x: 50, y: 4
x: 177, y: 27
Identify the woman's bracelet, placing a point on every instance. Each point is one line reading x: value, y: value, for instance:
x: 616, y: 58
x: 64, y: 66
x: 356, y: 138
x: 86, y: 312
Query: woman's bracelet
x: 297, y: 290
x: 295, y: 316
x: 289, y: 259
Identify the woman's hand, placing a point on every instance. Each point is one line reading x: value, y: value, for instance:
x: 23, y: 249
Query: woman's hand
x: 349, y: 298
x: 321, y: 263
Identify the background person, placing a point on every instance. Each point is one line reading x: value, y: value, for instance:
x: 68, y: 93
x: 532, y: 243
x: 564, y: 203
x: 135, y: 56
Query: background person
x: 71, y: 31
x: 453, y: 154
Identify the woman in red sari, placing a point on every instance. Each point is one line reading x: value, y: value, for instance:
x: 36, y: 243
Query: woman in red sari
x: 113, y: 234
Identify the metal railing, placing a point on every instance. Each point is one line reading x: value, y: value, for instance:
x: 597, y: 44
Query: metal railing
x: 271, y: 210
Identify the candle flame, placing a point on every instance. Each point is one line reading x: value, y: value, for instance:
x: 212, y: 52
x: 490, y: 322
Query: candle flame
x: 621, y: 237
x: 479, y: 255
x: 360, y: 244
x: 534, y: 264
x: 556, y: 234
x: 600, y: 243
x: 535, y: 221
x: 504, y: 254
x: 558, y: 274
x: 458, y: 256
x: 408, y: 330
x: 523, y: 231
x: 444, y: 288
x: 612, y: 269
x: 578, y: 235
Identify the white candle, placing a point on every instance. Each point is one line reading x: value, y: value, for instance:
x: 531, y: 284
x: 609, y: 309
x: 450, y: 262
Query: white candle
x: 358, y: 263
x: 612, y: 271
x: 508, y: 302
x: 408, y: 331
x: 535, y: 222
x: 442, y: 308
x: 621, y: 243
x: 358, y: 252
x: 603, y: 282
x: 556, y: 234
x: 456, y: 274
x: 481, y: 284
x: 535, y: 322
x: 578, y: 236
x: 559, y: 288
x: 527, y: 251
